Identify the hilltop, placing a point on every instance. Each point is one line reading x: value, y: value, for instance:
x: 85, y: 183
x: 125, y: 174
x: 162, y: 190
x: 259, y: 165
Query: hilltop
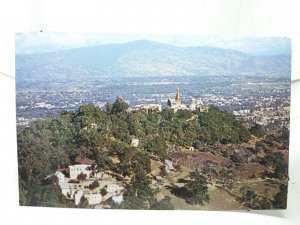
x: 165, y: 159
x: 146, y: 58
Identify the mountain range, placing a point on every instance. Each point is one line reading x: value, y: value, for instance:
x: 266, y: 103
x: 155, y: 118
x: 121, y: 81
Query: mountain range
x: 147, y: 58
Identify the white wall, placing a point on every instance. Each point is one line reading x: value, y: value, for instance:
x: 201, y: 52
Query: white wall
x: 219, y: 17
x: 78, y: 169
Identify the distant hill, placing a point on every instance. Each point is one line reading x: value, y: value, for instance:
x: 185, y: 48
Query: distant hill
x: 146, y: 58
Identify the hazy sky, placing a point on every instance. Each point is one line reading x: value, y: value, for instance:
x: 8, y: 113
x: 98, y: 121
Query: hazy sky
x: 33, y: 42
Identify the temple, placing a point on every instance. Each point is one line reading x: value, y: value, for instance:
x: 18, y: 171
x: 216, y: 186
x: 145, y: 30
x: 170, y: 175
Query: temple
x: 178, y: 105
x: 177, y: 98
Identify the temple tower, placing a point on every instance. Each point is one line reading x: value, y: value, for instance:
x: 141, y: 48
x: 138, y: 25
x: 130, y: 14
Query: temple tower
x: 177, y: 98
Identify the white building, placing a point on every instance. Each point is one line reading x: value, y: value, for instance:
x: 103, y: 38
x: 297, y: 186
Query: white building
x: 177, y: 104
x: 60, y: 176
x: 145, y: 107
x: 75, y: 170
x: 93, y: 199
x: 114, y: 188
x: 169, y: 166
x: 77, y: 197
x: 193, y: 105
x: 63, y: 184
x: 135, y: 142
x: 118, y: 199
x: 76, y: 192
x: 179, y: 107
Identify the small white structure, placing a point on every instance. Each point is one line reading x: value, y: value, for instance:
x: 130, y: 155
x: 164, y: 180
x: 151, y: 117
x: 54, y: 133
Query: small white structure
x: 118, y: 199
x: 159, y: 179
x: 193, y: 105
x: 93, y: 199
x: 135, y: 142
x: 169, y: 166
x: 75, y: 170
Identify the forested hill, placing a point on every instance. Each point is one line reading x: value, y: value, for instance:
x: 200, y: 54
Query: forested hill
x: 146, y: 58
x: 98, y: 135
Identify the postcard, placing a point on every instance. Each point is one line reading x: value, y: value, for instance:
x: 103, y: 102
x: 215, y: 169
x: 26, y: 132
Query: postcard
x: 154, y: 122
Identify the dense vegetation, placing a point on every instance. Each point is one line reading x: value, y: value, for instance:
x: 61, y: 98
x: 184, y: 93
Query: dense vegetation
x: 99, y: 135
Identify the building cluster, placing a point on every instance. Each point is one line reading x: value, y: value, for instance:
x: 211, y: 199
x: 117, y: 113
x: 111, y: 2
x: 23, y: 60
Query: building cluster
x: 175, y: 105
x: 77, y: 185
x: 145, y: 107
x: 178, y: 105
x: 266, y: 116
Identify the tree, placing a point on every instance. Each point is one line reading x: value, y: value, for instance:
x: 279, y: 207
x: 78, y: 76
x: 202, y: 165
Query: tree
x: 89, y: 114
x: 84, y: 203
x: 237, y: 158
x: 109, y: 108
x: 103, y: 191
x: 261, y: 202
x: 102, y: 158
x: 280, y: 199
x: 156, y: 146
x: 141, y: 186
x: 139, y: 194
x: 257, y: 130
x: 81, y: 177
x: 94, y: 185
x: 197, y: 189
x: 119, y: 106
x: 247, y: 195
x: 120, y: 128
x: 281, y: 171
x: 198, y: 144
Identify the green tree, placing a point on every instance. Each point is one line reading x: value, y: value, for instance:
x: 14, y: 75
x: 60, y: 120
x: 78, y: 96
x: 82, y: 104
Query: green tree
x: 280, y: 199
x: 81, y: 177
x: 138, y: 194
x: 257, y: 130
x: 247, y: 195
x: 133, y: 160
x: 94, y: 185
x: 156, y: 146
x: 196, y: 190
x: 120, y: 128
x: 119, y: 106
x: 103, y: 191
x: 84, y: 203
x: 281, y: 171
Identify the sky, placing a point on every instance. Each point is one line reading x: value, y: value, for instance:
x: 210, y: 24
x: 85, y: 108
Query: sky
x: 38, y: 42
x: 178, y: 22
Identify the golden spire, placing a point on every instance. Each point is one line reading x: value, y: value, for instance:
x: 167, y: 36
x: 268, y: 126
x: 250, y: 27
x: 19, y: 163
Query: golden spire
x: 178, y: 98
